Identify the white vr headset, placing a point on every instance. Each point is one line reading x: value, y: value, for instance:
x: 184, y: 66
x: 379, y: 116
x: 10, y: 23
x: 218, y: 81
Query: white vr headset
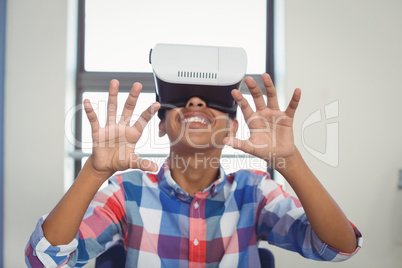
x: 210, y: 73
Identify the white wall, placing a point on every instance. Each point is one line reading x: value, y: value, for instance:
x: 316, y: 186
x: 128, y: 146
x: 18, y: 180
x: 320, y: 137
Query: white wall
x: 350, y: 51
x: 345, y: 50
x: 35, y: 88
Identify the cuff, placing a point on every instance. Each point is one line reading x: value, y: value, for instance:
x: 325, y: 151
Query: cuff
x: 334, y: 255
x: 50, y: 256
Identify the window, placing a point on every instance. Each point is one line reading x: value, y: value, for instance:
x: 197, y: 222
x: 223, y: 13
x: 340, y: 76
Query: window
x: 119, y: 34
x: 115, y: 38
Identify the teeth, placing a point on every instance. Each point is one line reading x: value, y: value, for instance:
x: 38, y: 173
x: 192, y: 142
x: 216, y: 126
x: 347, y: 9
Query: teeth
x: 195, y: 119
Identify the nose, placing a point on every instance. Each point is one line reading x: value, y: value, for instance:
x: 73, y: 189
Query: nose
x: 195, y: 102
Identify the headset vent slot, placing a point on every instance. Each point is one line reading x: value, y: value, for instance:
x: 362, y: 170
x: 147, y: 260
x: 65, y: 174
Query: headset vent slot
x: 204, y: 75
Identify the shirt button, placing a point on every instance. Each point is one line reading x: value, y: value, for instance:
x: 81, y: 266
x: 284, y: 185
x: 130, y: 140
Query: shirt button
x: 196, y: 242
x: 196, y: 205
x: 172, y: 192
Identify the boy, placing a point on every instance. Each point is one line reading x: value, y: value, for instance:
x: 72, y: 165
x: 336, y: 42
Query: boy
x: 193, y: 215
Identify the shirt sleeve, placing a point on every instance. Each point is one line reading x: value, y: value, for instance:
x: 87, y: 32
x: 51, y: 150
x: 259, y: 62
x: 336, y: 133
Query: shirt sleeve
x: 103, y: 226
x: 283, y: 222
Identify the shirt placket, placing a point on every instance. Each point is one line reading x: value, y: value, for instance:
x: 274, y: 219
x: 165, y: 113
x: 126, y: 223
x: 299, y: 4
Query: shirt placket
x: 198, y: 231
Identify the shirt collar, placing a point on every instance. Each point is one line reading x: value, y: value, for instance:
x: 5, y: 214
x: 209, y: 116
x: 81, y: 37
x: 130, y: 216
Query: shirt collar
x: 169, y: 186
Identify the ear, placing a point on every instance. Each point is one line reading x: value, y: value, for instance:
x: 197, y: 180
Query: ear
x: 162, y: 129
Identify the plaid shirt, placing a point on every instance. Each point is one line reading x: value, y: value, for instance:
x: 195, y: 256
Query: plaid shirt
x: 162, y: 226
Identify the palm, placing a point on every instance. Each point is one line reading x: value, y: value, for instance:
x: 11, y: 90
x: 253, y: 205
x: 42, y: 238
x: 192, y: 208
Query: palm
x: 114, y: 144
x: 271, y: 130
x: 114, y: 147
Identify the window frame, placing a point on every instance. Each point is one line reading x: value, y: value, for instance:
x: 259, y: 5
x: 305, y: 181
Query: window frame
x: 94, y: 81
x: 3, y: 14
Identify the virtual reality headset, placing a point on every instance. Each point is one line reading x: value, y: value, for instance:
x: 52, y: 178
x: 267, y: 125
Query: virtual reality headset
x: 185, y: 71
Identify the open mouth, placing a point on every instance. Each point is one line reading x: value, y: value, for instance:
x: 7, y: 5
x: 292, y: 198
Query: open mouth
x: 196, y: 119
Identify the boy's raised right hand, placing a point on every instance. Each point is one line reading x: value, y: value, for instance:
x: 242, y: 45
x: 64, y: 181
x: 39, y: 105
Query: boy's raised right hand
x: 114, y: 144
x: 113, y: 150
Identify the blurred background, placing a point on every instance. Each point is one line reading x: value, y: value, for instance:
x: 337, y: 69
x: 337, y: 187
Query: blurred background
x: 345, y: 55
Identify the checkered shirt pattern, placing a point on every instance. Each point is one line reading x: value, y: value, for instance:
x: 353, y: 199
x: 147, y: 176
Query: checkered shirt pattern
x: 162, y: 226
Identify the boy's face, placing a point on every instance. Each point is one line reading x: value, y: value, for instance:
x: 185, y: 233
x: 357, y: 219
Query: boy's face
x: 197, y: 126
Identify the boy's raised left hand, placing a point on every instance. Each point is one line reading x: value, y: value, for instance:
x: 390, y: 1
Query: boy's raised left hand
x: 271, y: 130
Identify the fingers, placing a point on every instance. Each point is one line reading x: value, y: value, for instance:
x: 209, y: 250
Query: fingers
x: 255, y: 91
x: 131, y: 102
x: 144, y: 164
x: 238, y: 144
x: 92, y: 117
x: 112, y: 102
x: 243, y: 103
x: 271, y: 95
x: 143, y: 120
x: 271, y: 92
x: 294, y: 102
x: 258, y: 95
